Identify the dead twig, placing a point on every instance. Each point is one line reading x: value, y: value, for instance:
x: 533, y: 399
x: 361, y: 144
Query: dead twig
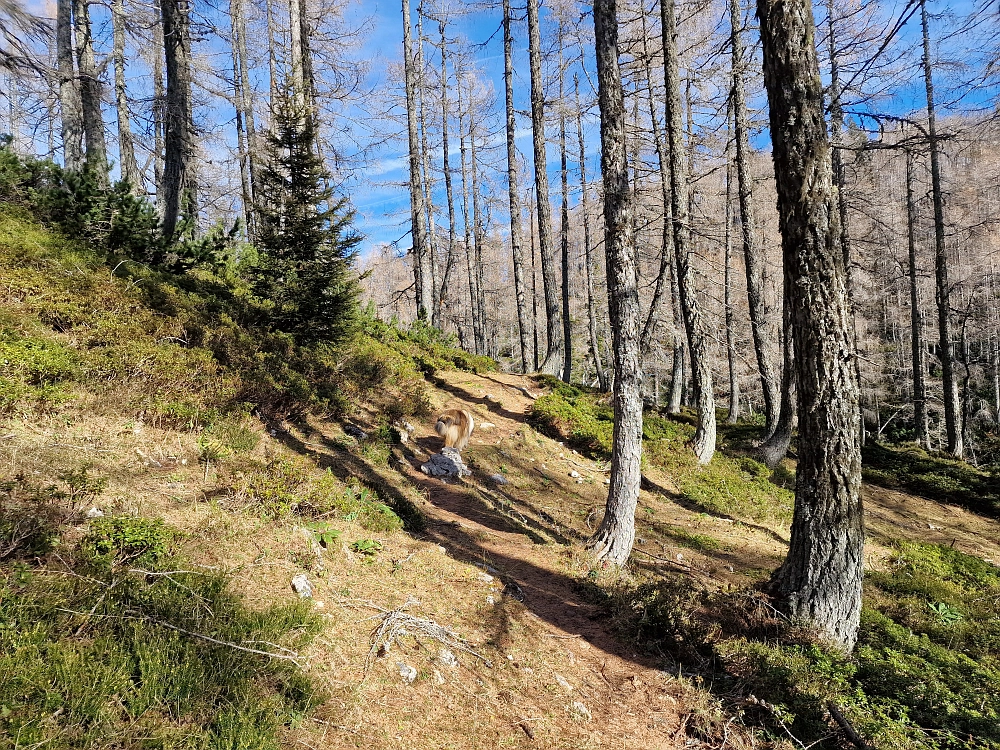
x: 849, y: 731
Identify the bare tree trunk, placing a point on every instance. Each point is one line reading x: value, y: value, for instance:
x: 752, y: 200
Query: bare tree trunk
x: 820, y: 580
x: 513, y: 194
x: 479, y: 234
x: 553, y: 324
x: 418, y: 232
x: 666, y: 237
x: 126, y: 147
x: 425, y: 172
x: 446, y: 162
x: 534, y: 286
x: 760, y: 324
x: 159, y: 109
x: 614, y: 538
x: 595, y: 346
x: 916, y: 319
x: 245, y: 126
x: 734, y: 383
x: 704, y: 439
x: 564, y: 222
x: 477, y: 328
x: 70, y: 107
x: 946, y: 345
x: 775, y: 448
x: 272, y: 48
x: 180, y: 191
x: 90, y: 95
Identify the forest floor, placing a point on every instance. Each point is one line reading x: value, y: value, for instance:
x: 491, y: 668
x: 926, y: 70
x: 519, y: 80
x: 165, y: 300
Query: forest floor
x: 499, y: 564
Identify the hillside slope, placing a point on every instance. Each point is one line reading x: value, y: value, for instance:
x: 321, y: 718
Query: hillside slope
x: 161, y: 493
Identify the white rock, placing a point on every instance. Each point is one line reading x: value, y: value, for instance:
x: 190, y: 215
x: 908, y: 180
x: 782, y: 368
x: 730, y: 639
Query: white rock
x: 680, y: 556
x: 485, y: 578
x: 575, y: 474
x: 301, y: 586
x: 607, y: 480
x: 490, y: 600
x: 563, y: 682
x: 447, y: 658
x: 95, y: 512
x: 442, y: 550
x: 579, y: 481
x: 499, y: 479
x: 447, y: 463
x: 581, y: 711
x: 485, y: 425
x: 408, y: 673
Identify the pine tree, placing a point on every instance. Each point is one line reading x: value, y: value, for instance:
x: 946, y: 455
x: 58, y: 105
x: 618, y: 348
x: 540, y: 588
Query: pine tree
x: 306, y: 240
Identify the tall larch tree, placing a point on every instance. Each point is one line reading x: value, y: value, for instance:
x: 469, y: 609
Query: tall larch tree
x: 180, y: 196
x: 615, y: 536
x: 820, y: 579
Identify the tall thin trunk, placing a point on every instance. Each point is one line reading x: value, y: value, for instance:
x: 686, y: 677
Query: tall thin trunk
x: 513, y: 194
x: 70, y: 107
x: 677, y: 375
x: 614, y: 538
x: 920, y: 424
x: 126, y: 147
x: 595, y: 346
x: 734, y: 383
x: 238, y: 101
x: 479, y: 232
x: 90, y: 94
x: 298, y: 75
x: 666, y: 235
x: 534, y: 286
x: 272, y: 51
x: 159, y: 109
x: 820, y: 579
x: 564, y: 222
x: 245, y: 111
x: 774, y: 449
x: 418, y: 230
x: 180, y: 192
x: 760, y: 324
x: 705, y: 434
x: 553, y: 319
x: 467, y: 226
x: 425, y: 171
x: 946, y: 345
x: 446, y: 163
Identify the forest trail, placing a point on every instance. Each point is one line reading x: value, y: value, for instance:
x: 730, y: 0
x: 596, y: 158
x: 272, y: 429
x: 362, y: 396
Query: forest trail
x: 528, y: 532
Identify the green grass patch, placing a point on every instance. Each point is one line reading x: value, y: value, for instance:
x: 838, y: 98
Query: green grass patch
x: 102, y: 659
x: 731, y: 486
x: 932, y: 476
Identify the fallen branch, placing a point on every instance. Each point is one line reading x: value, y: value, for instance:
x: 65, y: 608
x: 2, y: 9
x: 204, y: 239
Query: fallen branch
x: 849, y: 731
x: 395, y: 623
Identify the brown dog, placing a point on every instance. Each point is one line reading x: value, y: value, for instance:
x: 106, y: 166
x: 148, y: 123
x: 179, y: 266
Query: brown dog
x: 455, y: 426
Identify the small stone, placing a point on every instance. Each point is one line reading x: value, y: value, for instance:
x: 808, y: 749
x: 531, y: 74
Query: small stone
x: 442, y: 550
x: 607, y: 480
x: 485, y: 425
x: 302, y: 587
x: 95, y: 512
x: 499, y: 479
x: 438, y: 677
x: 355, y: 432
x: 485, y: 578
x: 680, y: 556
x: 563, y: 682
x: 544, y: 466
x: 581, y: 711
x: 273, y: 433
x: 447, y: 463
x: 408, y: 673
x: 579, y: 481
x: 447, y: 658
x: 490, y: 600
x: 575, y: 474
x: 319, y: 605
x: 184, y: 462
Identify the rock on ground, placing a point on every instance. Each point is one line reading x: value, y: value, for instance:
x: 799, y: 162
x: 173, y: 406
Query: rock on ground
x: 447, y: 463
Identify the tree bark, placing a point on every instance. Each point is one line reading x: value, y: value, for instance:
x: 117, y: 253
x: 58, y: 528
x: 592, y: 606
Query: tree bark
x: 479, y: 233
x: 945, y: 344
x: 130, y: 173
x: 775, y: 448
x: 703, y: 443
x: 820, y: 580
x: 614, y: 538
x: 418, y: 230
x: 477, y: 329
x: 245, y: 124
x: 734, y: 383
x: 159, y: 108
x: 446, y: 162
x: 753, y: 256
x: 921, y: 428
x: 553, y: 319
x: 513, y: 193
x: 70, y: 107
x: 595, y: 347
x: 534, y: 286
x: 564, y: 222
x: 90, y: 95
x: 425, y: 176
x: 179, y: 188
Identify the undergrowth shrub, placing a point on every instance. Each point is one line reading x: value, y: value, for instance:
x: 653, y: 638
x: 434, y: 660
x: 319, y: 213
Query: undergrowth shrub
x: 123, y: 540
x: 112, y: 658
